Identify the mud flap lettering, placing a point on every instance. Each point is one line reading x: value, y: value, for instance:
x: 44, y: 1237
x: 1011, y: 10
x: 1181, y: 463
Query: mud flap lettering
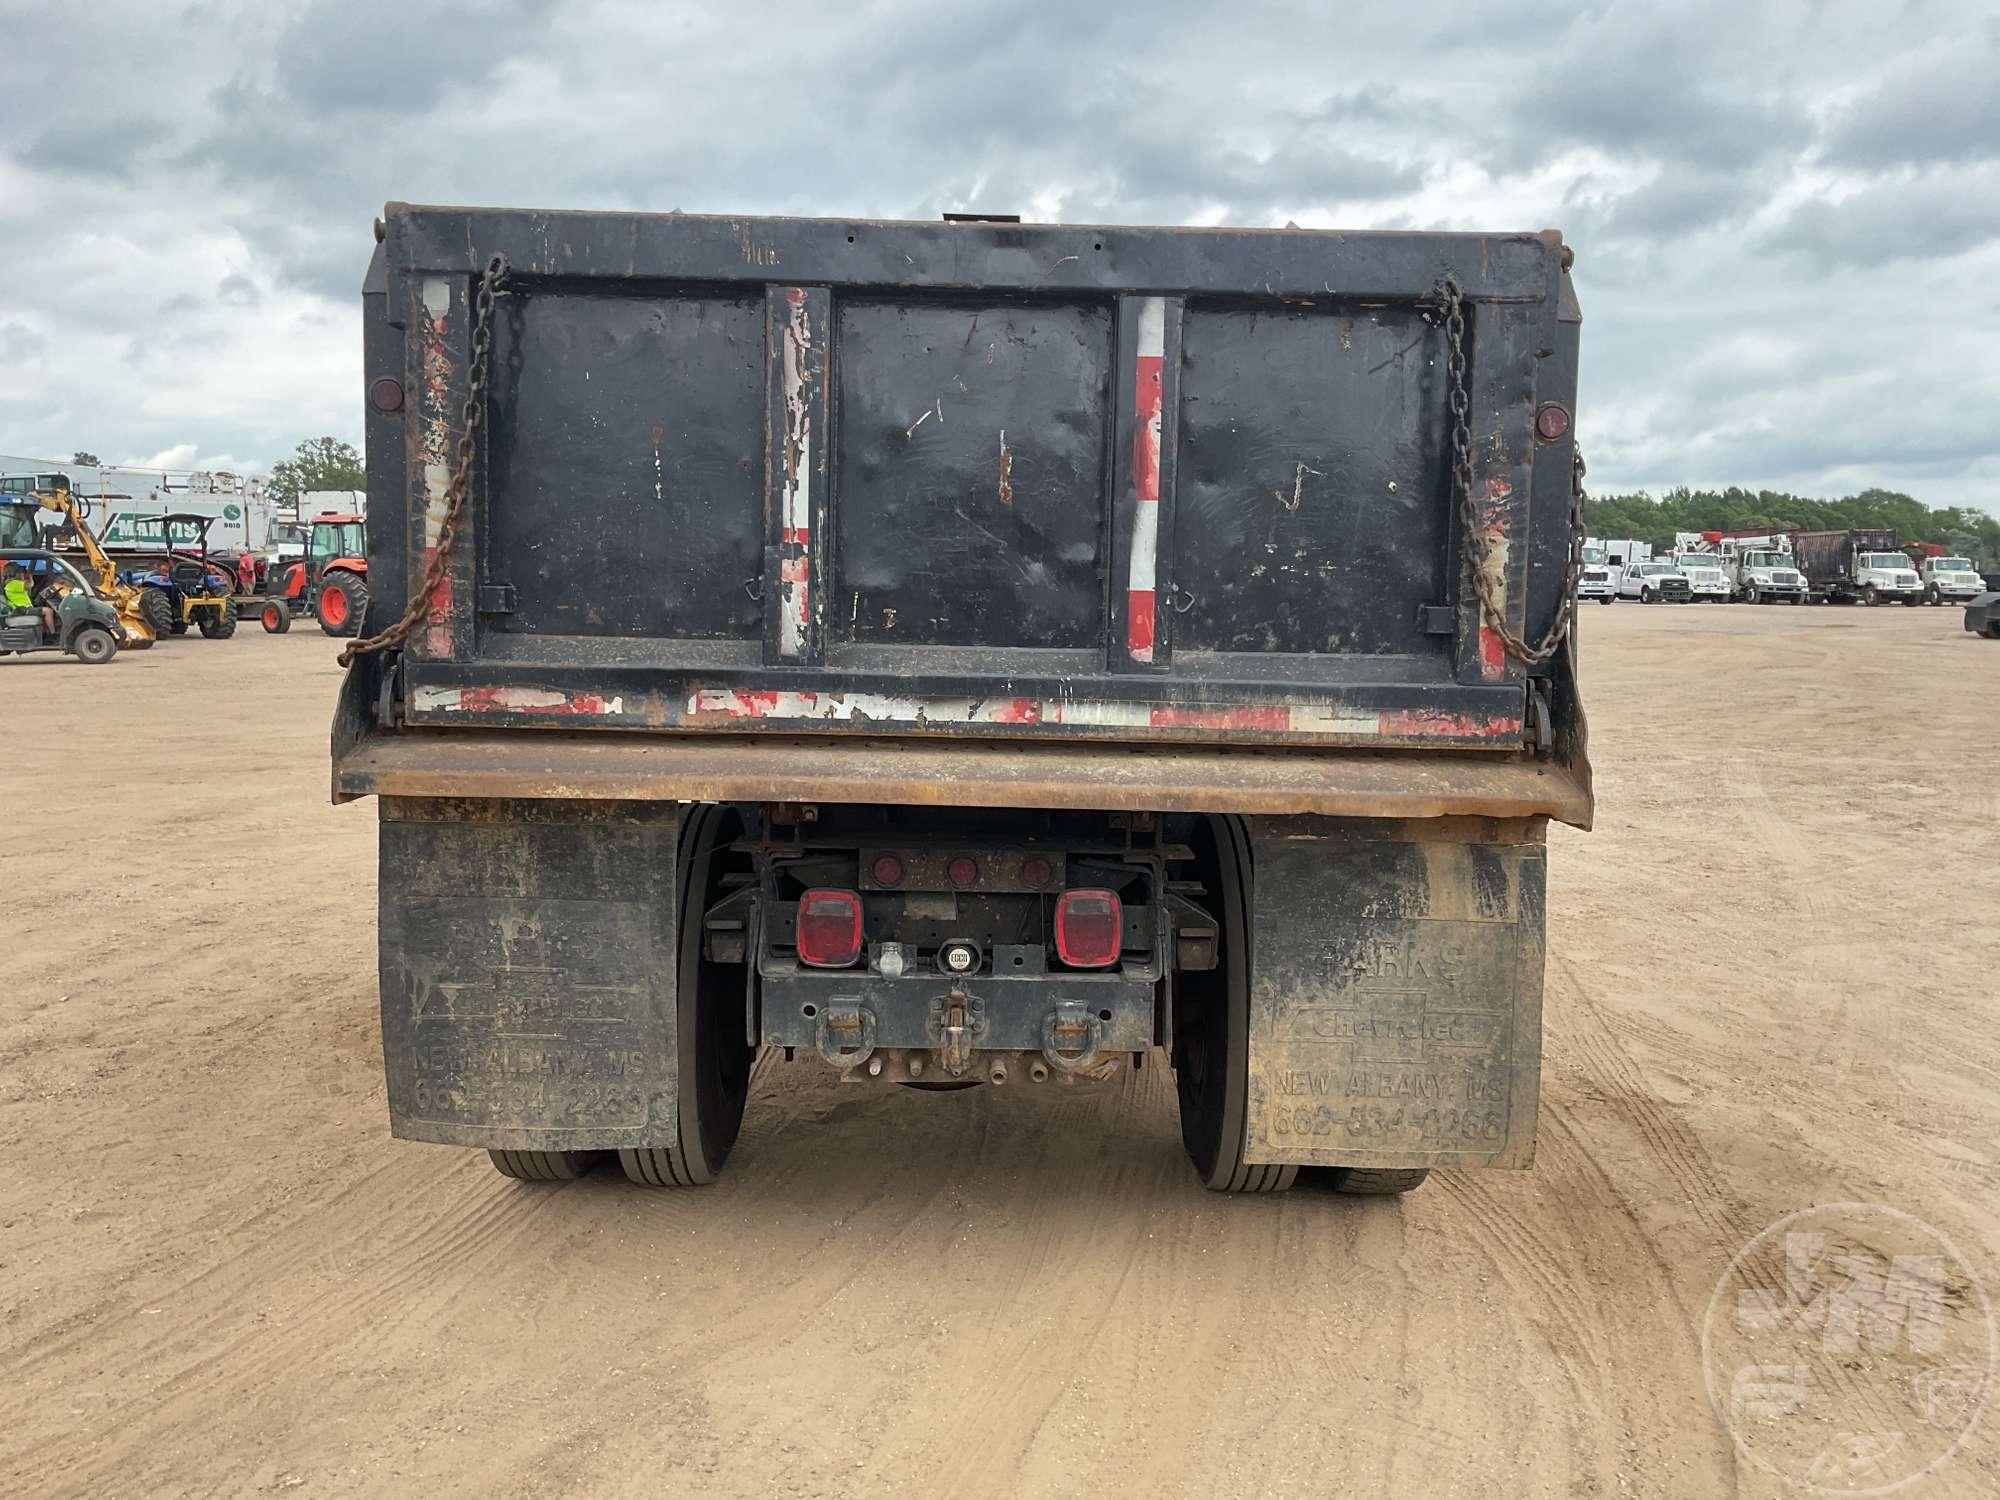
x: 528, y: 972
x: 1395, y: 1009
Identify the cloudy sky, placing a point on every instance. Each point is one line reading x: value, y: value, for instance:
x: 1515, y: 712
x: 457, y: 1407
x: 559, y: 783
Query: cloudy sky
x: 1786, y: 215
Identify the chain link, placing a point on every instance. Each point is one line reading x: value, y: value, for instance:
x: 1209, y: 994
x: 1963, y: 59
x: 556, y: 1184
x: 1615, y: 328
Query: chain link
x: 472, y: 415
x: 1487, y: 581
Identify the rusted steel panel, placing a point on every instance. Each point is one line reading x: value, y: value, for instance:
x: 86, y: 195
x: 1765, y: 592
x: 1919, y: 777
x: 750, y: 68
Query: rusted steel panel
x: 439, y: 350
x: 533, y: 701
x: 528, y: 972
x: 550, y: 764
x: 1396, y: 992
x: 1508, y: 350
x: 798, y: 332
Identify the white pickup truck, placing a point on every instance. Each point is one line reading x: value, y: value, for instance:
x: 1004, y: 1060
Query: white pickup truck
x: 1707, y: 576
x: 1651, y: 582
x: 1951, y: 579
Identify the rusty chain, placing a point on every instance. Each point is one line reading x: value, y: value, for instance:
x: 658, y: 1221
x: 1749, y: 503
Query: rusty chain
x: 1479, y: 557
x: 472, y: 415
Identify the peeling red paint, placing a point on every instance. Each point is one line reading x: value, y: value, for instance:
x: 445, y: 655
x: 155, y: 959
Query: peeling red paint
x: 1419, y: 723
x: 1249, y: 716
x: 527, y: 700
x: 800, y: 370
x: 1140, y: 616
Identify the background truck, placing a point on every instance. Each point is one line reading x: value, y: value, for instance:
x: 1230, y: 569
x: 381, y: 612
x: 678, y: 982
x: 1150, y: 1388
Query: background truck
x: 1950, y: 580
x: 959, y: 654
x: 1762, y: 570
x: 1844, y: 566
x: 1622, y: 551
x: 1596, y: 579
x: 1707, y: 575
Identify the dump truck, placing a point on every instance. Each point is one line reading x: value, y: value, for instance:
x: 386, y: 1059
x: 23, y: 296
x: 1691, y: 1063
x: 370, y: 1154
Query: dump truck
x: 1859, y: 565
x: 967, y: 654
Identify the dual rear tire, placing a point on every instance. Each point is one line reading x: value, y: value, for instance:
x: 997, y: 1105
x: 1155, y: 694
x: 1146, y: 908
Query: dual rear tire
x: 1210, y: 1054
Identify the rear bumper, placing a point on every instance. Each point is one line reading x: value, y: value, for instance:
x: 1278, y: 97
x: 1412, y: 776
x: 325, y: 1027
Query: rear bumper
x: 685, y: 768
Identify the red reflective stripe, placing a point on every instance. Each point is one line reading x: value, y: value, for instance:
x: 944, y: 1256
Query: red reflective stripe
x: 1139, y: 623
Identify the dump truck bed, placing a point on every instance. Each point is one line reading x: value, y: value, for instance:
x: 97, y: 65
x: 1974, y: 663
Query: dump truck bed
x: 1027, y: 482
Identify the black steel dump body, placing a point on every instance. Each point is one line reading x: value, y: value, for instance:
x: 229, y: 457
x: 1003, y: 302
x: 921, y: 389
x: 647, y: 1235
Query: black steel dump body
x: 1827, y: 557
x: 969, y: 480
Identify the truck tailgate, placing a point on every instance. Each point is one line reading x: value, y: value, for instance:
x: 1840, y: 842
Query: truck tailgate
x: 852, y: 477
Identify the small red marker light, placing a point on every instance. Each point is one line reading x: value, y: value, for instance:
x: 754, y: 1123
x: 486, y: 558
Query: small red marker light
x: 888, y: 870
x: 1035, y: 872
x: 963, y: 871
x: 829, y: 929
x: 386, y: 394
x: 1090, y: 928
x: 1551, y: 422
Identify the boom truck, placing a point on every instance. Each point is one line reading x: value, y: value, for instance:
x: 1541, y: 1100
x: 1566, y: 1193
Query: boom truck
x: 965, y: 654
x: 1763, y: 570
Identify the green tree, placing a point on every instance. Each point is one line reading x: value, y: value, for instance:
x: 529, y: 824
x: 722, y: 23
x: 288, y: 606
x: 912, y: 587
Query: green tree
x: 320, y: 463
x: 1960, y: 529
x: 85, y: 458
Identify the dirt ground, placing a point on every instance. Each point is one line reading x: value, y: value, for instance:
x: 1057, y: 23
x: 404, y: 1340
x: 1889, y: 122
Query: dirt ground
x: 1771, y: 983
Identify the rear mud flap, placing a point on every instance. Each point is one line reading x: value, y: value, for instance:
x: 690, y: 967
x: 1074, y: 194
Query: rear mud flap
x: 528, y: 972
x: 1396, y: 993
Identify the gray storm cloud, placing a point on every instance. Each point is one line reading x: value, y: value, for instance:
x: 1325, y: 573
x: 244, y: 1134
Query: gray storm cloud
x: 1785, y: 215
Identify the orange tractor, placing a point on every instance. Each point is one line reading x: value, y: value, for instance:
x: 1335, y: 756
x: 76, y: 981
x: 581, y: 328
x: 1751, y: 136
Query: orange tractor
x: 330, y: 582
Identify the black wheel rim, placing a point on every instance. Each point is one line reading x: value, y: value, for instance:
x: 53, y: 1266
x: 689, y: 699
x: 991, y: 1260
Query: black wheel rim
x: 1212, y: 1016
x: 715, y: 1057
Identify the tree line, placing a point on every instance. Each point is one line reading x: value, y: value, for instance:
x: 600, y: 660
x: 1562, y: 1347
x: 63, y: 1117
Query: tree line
x: 1959, y: 529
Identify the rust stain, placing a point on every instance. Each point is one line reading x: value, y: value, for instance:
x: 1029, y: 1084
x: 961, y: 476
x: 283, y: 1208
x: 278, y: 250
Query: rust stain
x: 1006, y: 471
x: 1298, y: 489
x: 1159, y: 778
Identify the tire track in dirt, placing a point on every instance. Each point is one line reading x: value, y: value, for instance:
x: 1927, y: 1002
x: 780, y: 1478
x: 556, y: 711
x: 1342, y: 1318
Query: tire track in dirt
x: 1667, y: 1137
x: 216, y: 1355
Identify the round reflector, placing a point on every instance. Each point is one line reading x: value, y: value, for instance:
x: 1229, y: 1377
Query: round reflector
x: 888, y: 870
x: 962, y: 871
x: 1551, y: 422
x: 386, y: 394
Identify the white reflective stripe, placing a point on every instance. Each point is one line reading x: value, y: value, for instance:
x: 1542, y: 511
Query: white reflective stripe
x: 1152, y: 327
x: 1145, y: 546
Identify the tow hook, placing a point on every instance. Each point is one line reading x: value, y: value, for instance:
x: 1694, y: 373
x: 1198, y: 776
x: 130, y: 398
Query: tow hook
x: 845, y: 1034
x: 1071, y: 1036
x: 957, y: 1021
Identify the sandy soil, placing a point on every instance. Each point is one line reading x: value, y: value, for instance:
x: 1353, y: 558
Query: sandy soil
x: 1771, y: 983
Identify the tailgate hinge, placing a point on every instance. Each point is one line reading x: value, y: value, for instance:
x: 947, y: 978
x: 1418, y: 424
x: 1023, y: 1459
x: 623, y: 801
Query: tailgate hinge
x: 1541, y: 724
x: 496, y: 598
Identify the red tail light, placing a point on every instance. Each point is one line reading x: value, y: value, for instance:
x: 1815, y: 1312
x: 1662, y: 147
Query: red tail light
x: 829, y: 929
x: 1090, y: 928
